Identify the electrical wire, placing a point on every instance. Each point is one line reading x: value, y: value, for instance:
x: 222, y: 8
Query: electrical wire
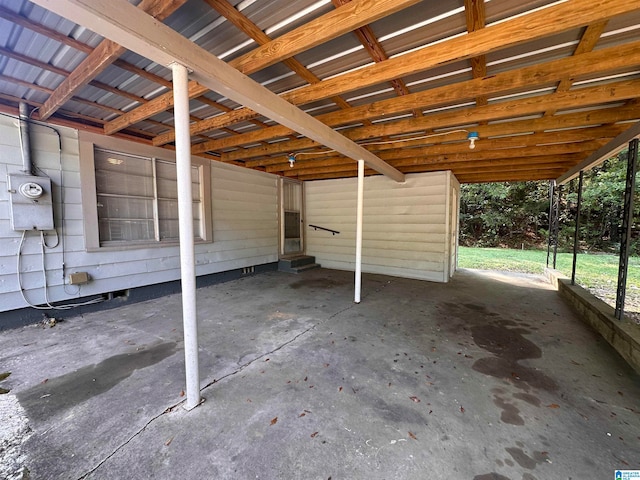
x: 422, y: 137
x: 60, y: 237
x: 48, y: 304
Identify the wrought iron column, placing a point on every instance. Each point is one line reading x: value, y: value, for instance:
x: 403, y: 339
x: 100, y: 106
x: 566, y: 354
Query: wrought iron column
x: 576, y: 236
x: 554, y: 224
x: 627, y: 222
x: 551, y: 215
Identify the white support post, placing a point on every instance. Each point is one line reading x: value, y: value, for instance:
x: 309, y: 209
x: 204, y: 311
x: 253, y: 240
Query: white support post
x: 359, y: 208
x: 185, y: 220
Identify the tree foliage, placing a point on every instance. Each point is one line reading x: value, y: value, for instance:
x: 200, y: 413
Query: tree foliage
x: 516, y: 214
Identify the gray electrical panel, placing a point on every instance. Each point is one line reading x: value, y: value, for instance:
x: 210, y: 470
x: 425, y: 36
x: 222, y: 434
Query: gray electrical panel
x: 31, y: 202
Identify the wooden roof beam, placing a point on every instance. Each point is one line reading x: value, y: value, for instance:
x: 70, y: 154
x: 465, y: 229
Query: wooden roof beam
x: 316, y: 32
x: 587, y: 43
x: 495, y: 37
x: 606, y: 151
x: 224, y: 8
x: 140, y: 33
x: 491, y: 177
x: 585, y: 97
x: 376, y: 51
x: 601, y: 61
x: 475, y: 14
x: 99, y: 59
x: 498, y: 148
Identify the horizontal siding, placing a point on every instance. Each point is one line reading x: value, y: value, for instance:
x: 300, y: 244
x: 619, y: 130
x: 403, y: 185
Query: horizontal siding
x: 404, y: 225
x: 244, y: 222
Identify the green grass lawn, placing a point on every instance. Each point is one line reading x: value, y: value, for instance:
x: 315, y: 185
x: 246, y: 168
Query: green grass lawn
x: 596, y: 272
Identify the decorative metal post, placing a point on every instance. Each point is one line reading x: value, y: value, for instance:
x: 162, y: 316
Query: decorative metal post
x: 554, y: 224
x: 627, y: 222
x: 576, y: 236
x: 551, y: 214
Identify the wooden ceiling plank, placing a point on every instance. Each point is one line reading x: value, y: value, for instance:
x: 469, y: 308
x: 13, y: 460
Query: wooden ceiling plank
x: 100, y: 58
x: 602, y: 61
x: 343, y: 20
x: 140, y: 33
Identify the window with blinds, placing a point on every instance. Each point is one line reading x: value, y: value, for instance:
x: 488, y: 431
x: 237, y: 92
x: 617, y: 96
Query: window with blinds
x: 137, y: 199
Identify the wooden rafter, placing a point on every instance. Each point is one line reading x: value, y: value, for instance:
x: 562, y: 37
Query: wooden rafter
x: 529, y: 77
x: 494, y: 37
x: 140, y: 33
x: 587, y: 43
x: 475, y: 14
x: 538, y: 125
x: 99, y: 59
x: 376, y: 51
x: 243, y: 23
x: 331, y: 25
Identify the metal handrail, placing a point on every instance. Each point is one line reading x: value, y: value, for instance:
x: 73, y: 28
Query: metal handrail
x: 316, y: 227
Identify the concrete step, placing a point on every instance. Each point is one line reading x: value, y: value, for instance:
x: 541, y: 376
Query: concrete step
x: 297, y: 263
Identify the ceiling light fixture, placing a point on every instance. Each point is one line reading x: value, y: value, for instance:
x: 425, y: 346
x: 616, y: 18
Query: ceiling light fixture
x: 292, y: 159
x: 472, y: 137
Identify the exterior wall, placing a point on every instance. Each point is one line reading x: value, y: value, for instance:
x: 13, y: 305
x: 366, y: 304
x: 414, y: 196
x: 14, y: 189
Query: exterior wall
x: 244, y: 218
x: 407, y: 228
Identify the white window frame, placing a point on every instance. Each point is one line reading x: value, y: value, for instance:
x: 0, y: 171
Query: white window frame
x: 88, y: 142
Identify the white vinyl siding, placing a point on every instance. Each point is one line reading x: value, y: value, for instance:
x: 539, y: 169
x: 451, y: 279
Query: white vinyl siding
x: 243, y: 223
x: 406, y: 227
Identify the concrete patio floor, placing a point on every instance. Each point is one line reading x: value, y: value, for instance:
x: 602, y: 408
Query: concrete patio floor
x: 487, y: 377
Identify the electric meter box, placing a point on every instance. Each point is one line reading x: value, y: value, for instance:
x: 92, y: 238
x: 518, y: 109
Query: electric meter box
x: 31, y: 202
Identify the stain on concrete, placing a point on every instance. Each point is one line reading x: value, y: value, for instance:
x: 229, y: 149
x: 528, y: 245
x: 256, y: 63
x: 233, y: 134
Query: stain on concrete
x: 491, y: 476
x: 509, y: 347
x: 396, y: 413
x: 510, y: 413
x: 521, y: 376
x: 524, y: 460
x: 61, y: 393
x: 528, y: 476
x: 507, y: 343
x: 527, y: 397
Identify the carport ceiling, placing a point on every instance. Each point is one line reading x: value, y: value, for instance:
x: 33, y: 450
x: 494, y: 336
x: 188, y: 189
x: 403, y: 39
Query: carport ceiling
x: 544, y: 84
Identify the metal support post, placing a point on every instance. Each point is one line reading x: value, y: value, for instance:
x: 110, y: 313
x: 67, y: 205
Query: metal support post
x: 556, y: 223
x: 185, y: 222
x: 576, y: 236
x: 551, y: 213
x: 627, y: 223
x: 359, y: 209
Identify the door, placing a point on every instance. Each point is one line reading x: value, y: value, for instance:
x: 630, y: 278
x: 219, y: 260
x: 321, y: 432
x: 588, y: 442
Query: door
x: 291, y: 217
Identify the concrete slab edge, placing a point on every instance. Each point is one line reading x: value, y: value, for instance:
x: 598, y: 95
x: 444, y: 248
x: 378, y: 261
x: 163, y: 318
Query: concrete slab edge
x: 623, y: 336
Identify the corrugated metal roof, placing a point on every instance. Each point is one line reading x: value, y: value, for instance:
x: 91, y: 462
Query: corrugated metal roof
x: 34, y: 58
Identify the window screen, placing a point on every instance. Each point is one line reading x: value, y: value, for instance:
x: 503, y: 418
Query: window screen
x: 137, y: 199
